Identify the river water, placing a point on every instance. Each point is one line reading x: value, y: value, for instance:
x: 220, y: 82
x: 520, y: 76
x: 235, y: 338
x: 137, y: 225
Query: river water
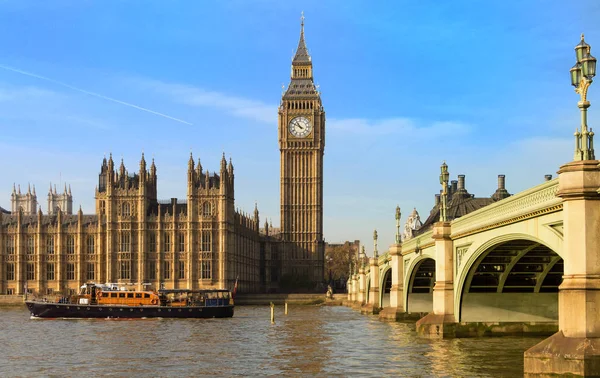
x: 309, y: 341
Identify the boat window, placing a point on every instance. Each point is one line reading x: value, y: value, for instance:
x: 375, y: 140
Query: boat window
x: 146, y: 295
x: 104, y: 295
x: 113, y: 295
x: 121, y: 295
x: 129, y: 295
x: 138, y: 295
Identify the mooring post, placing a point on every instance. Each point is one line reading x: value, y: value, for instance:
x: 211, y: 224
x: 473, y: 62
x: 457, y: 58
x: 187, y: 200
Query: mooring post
x: 286, y: 308
x: 272, y: 313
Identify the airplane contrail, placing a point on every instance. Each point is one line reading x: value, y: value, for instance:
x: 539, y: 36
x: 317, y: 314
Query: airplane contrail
x: 92, y: 93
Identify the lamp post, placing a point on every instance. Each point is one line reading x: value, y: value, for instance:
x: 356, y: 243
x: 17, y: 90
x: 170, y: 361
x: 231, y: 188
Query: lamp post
x: 329, y: 262
x: 375, y: 252
x: 444, y: 177
x: 398, y: 224
x: 582, y: 74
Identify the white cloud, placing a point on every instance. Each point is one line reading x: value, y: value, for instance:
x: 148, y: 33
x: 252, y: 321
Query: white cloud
x: 12, y: 93
x: 398, y: 125
x: 199, y: 97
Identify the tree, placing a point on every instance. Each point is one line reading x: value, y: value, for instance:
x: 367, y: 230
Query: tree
x: 338, y: 258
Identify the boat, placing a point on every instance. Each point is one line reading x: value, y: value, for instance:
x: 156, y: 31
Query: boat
x: 111, y: 301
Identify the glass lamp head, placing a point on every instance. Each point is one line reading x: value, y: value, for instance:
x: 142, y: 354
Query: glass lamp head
x: 575, y: 74
x: 581, y: 49
x: 588, y: 66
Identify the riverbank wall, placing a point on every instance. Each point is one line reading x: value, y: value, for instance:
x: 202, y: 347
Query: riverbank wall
x: 278, y: 299
x: 11, y: 300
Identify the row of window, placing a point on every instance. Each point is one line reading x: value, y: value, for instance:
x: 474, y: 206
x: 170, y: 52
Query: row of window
x: 205, y: 243
x: 124, y: 243
x: 50, y: 271
x: 10, y: 244
x: 205, y: 271
x: 126, y: 209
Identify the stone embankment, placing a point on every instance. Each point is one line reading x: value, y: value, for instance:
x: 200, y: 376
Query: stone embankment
x: 278, y: 299
x: 11, y: 300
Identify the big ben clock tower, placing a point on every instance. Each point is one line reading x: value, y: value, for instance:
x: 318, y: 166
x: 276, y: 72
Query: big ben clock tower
x: 302, y: 142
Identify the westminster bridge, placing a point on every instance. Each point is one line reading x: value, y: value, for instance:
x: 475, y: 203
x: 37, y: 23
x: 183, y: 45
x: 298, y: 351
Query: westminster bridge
x: 529, y: 263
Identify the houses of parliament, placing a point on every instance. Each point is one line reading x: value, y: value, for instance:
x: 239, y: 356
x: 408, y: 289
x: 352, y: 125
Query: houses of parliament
x: 202, y: 241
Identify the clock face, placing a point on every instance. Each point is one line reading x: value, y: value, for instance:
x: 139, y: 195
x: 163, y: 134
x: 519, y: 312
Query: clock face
x: 300, y: 127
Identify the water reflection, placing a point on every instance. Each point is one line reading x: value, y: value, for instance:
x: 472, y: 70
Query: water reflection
x: 315, y: 341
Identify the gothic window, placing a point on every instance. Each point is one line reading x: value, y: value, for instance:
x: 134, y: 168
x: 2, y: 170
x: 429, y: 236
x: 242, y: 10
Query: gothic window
x: 152, y: 270
x: 125, y: 245
x: 167, y: 270
x: 70, y: 244
x: 152, y: 242
x: 30, y: 245
x: 206, y: 241
x: 206, y: 209
x: 126, y: 209
x: 50, y: 244
x: 30, y: 271
x: 125, y: 270
x: 167, y: 242
x: 206, y: 269
x: 91, y: 271
x: 50, y: 271
x: 181, y: 272
x: 90, y: 244
x: 70, y: 271
x: 10, y: 245
x: 10, y: 272
x: 182, y: 242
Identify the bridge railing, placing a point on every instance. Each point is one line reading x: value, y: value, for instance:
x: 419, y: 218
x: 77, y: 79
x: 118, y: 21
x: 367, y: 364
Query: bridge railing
x: 523, y: 205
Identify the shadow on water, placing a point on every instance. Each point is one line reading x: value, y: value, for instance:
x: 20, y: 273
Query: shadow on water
x: 314, y: 341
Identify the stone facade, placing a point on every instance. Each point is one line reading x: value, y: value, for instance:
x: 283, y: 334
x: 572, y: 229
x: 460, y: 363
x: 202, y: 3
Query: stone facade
x: 134, y: 238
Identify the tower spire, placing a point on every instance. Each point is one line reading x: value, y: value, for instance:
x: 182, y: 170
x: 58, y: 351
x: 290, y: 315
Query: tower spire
x: 301, y: 52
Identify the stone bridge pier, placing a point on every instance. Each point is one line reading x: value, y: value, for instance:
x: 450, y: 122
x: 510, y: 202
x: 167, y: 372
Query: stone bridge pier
x: 441, y: 322
x: 575, y: 348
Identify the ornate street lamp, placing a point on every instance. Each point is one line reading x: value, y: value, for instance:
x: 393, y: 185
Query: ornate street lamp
x: 398, y: 224
x: 444, y: 177
x: 582, y: 74
x: 375, y: 253
x: 363, y: 257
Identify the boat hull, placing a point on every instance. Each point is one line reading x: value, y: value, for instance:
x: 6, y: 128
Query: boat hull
x: 69, y: 310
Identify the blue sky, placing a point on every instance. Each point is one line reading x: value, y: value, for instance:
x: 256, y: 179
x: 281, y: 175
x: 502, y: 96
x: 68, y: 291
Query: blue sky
x: 483, y: 85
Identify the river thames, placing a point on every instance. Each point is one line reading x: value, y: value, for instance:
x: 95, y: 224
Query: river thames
x: 309, y: 341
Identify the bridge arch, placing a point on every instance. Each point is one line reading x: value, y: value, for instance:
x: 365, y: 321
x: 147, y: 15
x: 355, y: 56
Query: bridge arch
x: 385, y: 287
x: 509, y: 278
x: 419, y: 286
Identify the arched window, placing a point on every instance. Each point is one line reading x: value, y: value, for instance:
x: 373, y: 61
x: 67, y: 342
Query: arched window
x: 30, y: 245
x: 70, y: 244
x: 50, y: 245
x: 125, y: 242
x: 206, y: 209
x: 206, y: 241
x: 182, y: 242
x: 126, y: 209
x: 10, y: 245
x: 90, y: 244
x: 167, y: 241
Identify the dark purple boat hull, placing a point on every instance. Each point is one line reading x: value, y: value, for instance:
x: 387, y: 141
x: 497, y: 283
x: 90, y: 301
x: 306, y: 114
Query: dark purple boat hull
x: 69, y: 310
